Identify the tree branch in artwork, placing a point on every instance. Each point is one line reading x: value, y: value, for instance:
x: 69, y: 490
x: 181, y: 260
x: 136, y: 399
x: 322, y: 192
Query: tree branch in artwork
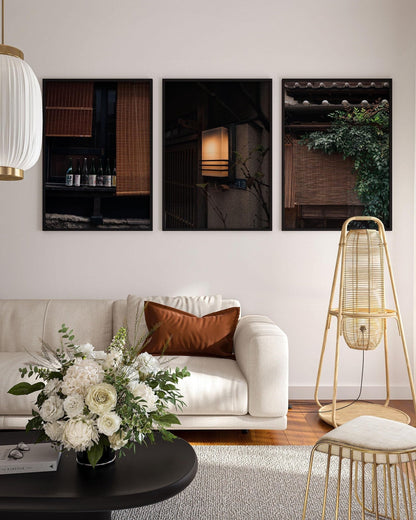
x: 255, y: 177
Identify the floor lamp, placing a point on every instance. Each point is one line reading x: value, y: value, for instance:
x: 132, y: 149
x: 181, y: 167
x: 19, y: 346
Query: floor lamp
x: 362, y: 316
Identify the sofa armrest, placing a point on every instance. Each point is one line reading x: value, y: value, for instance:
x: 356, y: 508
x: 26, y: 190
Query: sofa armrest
x: 261, y: 351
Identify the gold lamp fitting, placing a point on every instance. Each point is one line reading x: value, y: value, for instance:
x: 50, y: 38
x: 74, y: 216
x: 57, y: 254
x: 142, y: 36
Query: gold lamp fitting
x: 11, y: 174
x: 11, y: 51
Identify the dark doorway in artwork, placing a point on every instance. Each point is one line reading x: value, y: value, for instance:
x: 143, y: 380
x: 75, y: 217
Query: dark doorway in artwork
x: 97, y: 163
x: 336, y: 152
x: 217, y: 171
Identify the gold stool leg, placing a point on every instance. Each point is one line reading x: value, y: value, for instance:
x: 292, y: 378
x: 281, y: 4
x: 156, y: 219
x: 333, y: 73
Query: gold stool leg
x: 350, y: 485
x: 338, y: 485
x: 390, y: 490
x: 405, y: 499
x: 305, y: 502
x: 328, y: 465
x: 375, y: 487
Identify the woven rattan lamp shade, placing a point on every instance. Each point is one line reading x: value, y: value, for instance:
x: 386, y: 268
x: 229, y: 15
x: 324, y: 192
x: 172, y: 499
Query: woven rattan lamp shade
x: 362, y: 316
x: 363, y: 291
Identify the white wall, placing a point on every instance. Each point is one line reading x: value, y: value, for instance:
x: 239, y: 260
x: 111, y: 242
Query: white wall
x: 286, y: 275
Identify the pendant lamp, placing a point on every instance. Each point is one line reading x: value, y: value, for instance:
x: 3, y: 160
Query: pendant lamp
x: 362, y: 316
x: 20, y: 113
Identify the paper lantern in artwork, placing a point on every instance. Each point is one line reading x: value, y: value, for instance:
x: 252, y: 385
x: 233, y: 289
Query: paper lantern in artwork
x: 215, y: 152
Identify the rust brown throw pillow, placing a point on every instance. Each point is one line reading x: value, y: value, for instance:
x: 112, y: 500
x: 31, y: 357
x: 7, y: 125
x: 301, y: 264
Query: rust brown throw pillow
x: 211, y: 335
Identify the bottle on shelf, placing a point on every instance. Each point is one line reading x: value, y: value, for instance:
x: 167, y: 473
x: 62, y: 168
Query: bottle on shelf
x: 92, y: 179
x: 114, y: 176
x: 85, y: 173
x: 107, y: 174
x: 100, y: 174
x: 77, y: 174
x: 69, y: 175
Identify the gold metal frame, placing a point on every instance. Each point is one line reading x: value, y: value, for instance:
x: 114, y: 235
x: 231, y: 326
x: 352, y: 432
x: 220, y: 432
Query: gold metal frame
x: 329, y: 413
x: 399, y: 476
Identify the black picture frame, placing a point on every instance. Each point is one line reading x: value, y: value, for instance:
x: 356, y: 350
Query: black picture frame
x: 326, y: 177
x: 238, y: 195
x: 125, y: 202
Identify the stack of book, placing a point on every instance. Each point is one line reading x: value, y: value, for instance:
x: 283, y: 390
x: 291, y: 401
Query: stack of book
x: 39, y: 457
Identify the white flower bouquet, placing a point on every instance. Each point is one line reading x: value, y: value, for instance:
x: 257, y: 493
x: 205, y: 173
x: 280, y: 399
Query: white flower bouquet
x: 90, y: 400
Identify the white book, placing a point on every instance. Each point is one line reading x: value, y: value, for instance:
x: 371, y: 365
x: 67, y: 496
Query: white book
x: 40, y: 457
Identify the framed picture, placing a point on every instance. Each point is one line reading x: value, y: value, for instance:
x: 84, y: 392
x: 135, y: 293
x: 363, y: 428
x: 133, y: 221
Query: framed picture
x: 336, y: 151
x: 97, y: 162
x: 217, y: 168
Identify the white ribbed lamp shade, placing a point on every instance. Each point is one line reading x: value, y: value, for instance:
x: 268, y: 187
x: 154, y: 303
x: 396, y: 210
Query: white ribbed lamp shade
x: 20, y: 115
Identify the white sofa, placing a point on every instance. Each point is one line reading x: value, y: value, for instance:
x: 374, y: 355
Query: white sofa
x: 250, y: 392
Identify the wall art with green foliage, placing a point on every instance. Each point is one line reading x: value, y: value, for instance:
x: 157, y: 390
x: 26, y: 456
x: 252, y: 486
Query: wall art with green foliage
x: 336, y: 152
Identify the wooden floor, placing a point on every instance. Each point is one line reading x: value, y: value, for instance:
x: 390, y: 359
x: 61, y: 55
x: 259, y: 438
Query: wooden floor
x: 304, y: 428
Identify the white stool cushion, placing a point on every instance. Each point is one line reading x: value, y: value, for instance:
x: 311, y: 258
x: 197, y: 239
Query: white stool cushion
x: 371, y: 434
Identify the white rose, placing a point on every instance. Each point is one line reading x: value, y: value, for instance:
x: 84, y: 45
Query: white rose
x: 52, y: 386
x: 113, y: 359
x: 81, y: 375
x: 147, y: 364
x: 145, y: 393
x: 108, y: 423
x: 74, y: 405
x: 101, y: 398
x: 117, y: 440
x: 54, y: 430
x: 79, y: 434
x: 52, y: 409
x: 86, y: 349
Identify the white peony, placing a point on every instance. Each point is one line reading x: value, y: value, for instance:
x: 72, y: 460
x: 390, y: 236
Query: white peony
x: 101, y: 398
x: 113, y: 359
x: 147, y: 364
x: 130, y: 373
x: 86, y: 349
x: 79, y: 434
x: 52, y: 386
x: 52, y: 409
x: 99, y: 355
x: 54, y: 430
x: 81, y: 375
x: 117, y: 440
x: 108, y: 423
x: 145, y: 393
x: 74, y: 405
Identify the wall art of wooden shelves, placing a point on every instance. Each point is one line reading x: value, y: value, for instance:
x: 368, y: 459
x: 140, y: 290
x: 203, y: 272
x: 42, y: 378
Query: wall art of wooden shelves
x: 89, y: 125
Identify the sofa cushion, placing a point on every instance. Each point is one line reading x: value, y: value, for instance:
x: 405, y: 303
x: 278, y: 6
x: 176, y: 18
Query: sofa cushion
x: 183, y: 333
x: 136, y: 323
x: 21, y: 324
x: 91, y: 320
x: 10, y: 362
x: 216, y: 386
x: 25, y: 323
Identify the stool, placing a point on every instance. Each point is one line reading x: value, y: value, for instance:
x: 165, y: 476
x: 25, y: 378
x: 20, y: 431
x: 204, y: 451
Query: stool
x: 381, y: 458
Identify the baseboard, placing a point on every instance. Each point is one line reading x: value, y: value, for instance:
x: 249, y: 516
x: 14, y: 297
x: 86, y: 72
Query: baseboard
x: 349, y: 392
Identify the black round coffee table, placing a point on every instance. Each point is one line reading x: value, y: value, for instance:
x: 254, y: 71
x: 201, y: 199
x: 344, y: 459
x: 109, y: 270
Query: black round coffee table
x: 153, y: 473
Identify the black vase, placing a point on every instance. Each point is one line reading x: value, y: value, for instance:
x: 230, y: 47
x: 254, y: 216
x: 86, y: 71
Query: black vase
x: 108, y: 457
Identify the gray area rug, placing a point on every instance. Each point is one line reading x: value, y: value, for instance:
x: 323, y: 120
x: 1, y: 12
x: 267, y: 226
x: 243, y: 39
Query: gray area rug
x: 251, y: 483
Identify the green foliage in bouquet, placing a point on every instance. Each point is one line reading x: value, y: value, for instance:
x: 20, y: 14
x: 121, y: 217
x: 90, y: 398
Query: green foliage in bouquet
x: 90, y: 399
